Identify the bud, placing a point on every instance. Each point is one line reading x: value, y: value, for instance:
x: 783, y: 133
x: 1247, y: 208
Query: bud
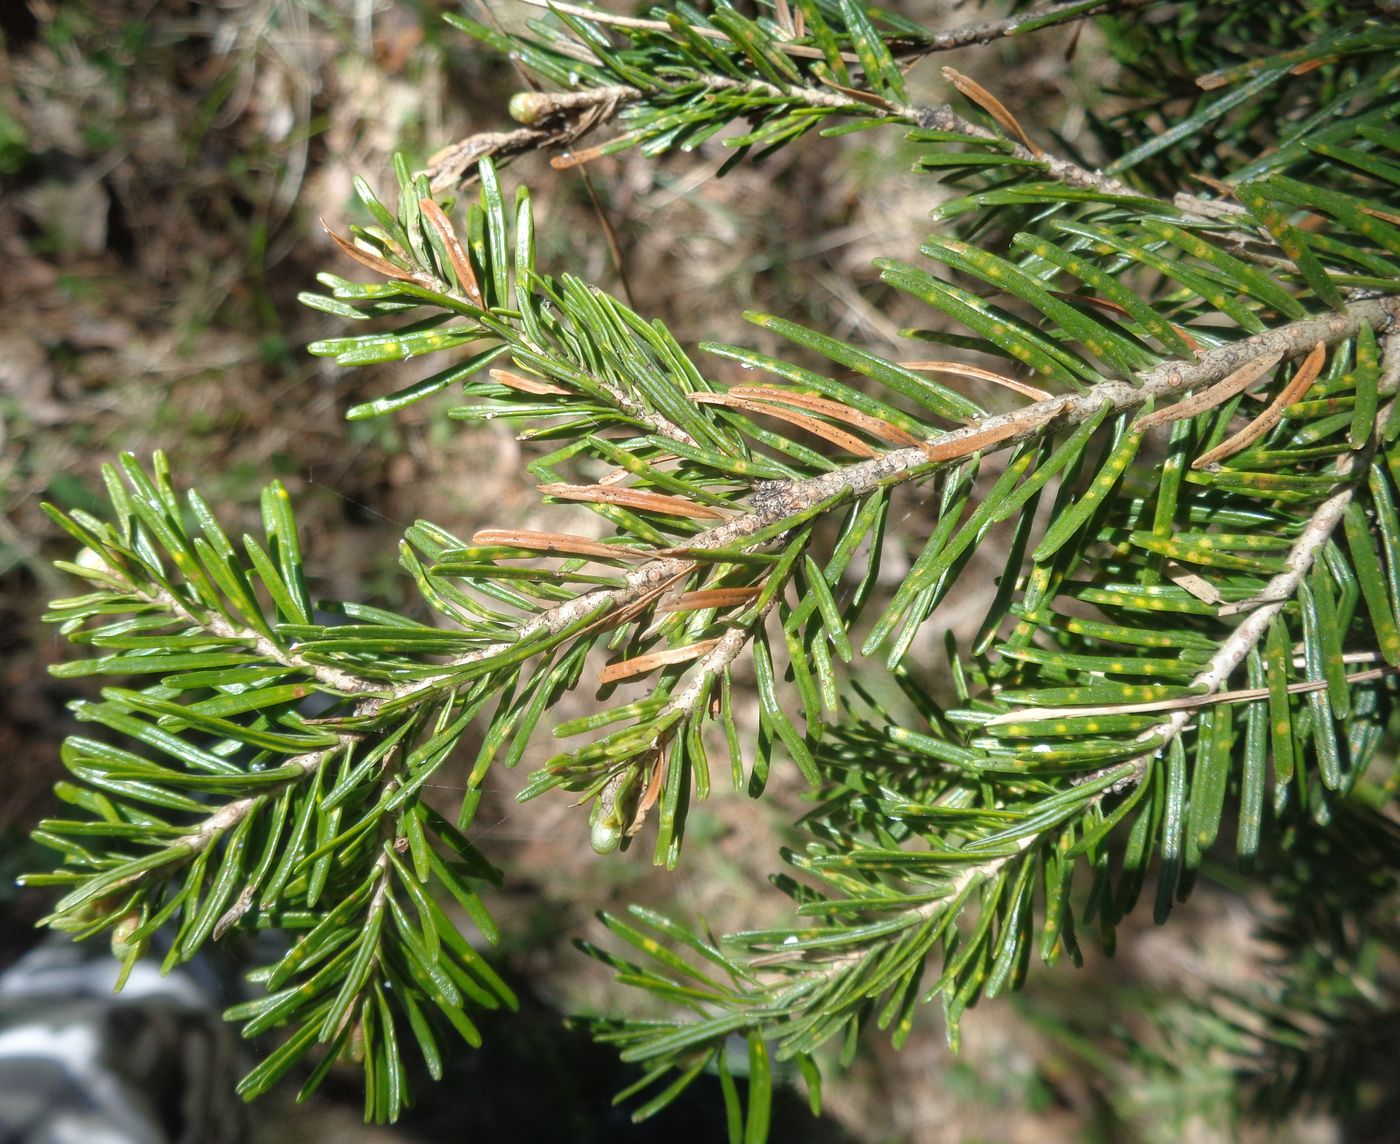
x: 122, y: 945
x: 530, y: 106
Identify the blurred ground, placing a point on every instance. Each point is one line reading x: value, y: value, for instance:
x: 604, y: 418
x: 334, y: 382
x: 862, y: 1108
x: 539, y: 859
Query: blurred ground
x: 163, y: 164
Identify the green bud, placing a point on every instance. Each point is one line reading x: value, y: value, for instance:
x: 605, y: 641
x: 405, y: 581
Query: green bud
x: 613, y: 811
x: 122, y: 945
x: 529, y: 106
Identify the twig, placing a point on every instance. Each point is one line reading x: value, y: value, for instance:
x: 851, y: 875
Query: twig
x: 566, y: 116
x: 1272, y: 415
x: 854, y: 481
x: 985, y: 33
x: 857, y: 480
x: 944, y: 118
x: 951, y: 893
x: 1217, y: 394
x: 226, y: 817
x: 454, y: 163
x: 1212, y: 678
x: 634, y: 408
x: 1271, y: 601
x: 232, y: 813
x: 217, y: 625
x: 559, y: 119
x: 718, y: 654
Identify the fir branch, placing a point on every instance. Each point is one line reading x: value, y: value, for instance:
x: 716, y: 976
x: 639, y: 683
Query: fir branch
x: 939, y: 40
x: 1068, y: 725
x: 561, y: 119
x: 226, y: 817
x: 852, y: 482
x: 1223, y: 664
x: 332, y: 678
x: 1262, y: 608
x: 407, y: 268
x: 819, y: 986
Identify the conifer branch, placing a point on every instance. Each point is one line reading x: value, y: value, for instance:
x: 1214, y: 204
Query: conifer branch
x: 1262, y: 610
x: 408, y: 269
x: 856, y: 974
x: 1094, y: 726
x: 944, y: 118
x: 854, y: 481
x: 332, y: 678
x: 941, y: 40
x: 560, y: 119
x: 232, y: 813
x: 1223, y: 664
